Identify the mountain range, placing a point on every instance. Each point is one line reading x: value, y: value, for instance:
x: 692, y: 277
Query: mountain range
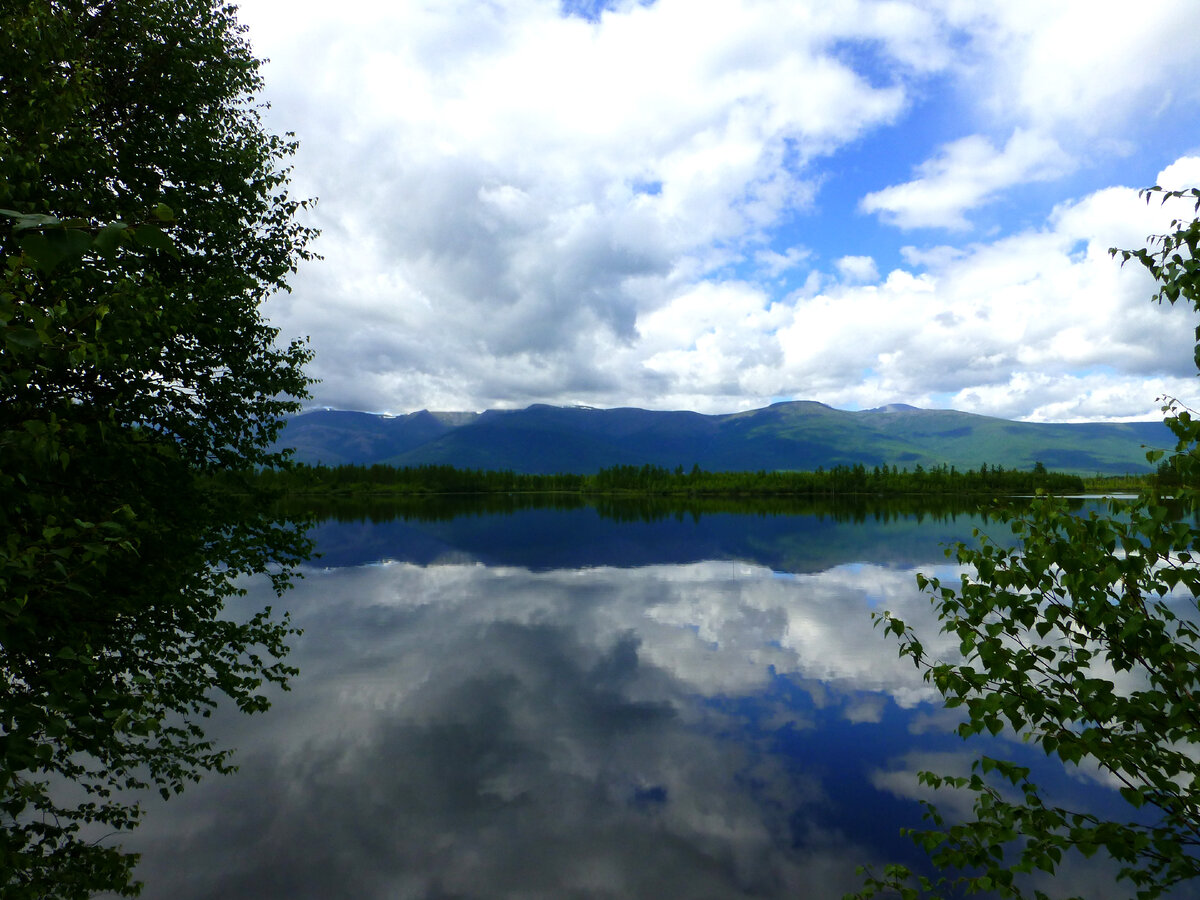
x: 799, y: 435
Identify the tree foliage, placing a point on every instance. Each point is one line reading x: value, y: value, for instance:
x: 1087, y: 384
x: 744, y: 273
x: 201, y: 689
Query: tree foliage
x: 1082, y: 636
x: 854, y: 480
x: 144, y: 216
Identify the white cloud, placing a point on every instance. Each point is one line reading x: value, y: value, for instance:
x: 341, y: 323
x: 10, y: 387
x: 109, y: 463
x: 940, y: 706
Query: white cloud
x: 1028, y: 327
x: 902, y: 779
x: 1066, y: 397
x: 774, y: 263
x: 721, y: 633
x: 1088, y: 67
x: 965, y: 174
x: 505, y: 192
x: 1183, y: 174
x: 1042, y: 325
x: 522, y: 207
x: 1071, y: 82
x: 934, y: 257
x: 857, y: 268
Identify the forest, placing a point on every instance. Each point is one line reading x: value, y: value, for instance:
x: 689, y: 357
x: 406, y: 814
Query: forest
x: 302, y: 479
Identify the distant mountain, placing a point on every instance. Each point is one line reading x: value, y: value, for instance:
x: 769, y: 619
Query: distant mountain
x: 793, y: 435
x: 335, y: 436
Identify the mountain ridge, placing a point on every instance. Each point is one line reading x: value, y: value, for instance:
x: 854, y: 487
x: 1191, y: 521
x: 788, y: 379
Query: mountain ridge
x: 795, y: 434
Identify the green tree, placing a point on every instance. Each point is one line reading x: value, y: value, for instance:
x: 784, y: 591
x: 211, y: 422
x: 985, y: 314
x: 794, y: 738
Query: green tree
x: 1083, y: 639
x: 144, y: 216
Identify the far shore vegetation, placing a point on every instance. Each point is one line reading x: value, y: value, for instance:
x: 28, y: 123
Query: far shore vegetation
x: 987, y: 481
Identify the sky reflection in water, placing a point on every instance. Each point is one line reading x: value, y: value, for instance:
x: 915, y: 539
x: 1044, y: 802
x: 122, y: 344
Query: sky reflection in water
x: 552, y: 704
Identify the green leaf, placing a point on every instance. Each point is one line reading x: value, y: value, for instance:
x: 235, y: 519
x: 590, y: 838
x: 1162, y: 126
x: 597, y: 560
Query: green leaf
x: 30, y: 221
x: 1134, y: 796
x: 109, y: 238
x: 51, y: 249
x: 155, y: 238
x: 26, y: 338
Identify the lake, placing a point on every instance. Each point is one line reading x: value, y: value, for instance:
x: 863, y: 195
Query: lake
x: 625, y: 701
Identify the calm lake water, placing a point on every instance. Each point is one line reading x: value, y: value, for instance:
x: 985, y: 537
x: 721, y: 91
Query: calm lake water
x: 563, y: 703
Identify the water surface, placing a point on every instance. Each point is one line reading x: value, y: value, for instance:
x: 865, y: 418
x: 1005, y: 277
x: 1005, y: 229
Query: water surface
x: 559, y: 703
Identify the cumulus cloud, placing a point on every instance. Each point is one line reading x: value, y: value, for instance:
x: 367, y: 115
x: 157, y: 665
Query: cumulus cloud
x: 627, y: 206
x: 516, y: 187
x: 774, y: 263
x: 1042, y: 325
x: 1015, y: 328
x: 1080, y: 66
x: 965, y: 174
x: 1183, y: 174
x: 857, y: 268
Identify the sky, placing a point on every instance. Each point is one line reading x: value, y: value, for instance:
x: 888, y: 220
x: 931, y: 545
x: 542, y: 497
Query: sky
x: 720, y: 204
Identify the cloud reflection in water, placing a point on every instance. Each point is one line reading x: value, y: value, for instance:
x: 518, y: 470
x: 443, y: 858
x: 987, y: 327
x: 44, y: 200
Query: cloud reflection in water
x: 702, y: 730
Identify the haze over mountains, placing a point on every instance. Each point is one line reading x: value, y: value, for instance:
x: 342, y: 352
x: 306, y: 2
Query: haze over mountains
x: 800, y: 435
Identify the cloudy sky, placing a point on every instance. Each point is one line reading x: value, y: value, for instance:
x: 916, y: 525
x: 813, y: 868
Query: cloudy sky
x: 719, y: 204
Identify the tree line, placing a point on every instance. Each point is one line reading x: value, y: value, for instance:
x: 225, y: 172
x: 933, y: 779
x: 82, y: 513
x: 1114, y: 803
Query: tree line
x: 301, y: 478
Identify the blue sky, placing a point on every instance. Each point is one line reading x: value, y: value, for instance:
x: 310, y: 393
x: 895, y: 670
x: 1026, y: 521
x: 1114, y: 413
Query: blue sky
x: 717, y: 204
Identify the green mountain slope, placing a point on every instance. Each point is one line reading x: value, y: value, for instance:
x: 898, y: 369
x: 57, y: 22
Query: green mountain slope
x: 793, y: 435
